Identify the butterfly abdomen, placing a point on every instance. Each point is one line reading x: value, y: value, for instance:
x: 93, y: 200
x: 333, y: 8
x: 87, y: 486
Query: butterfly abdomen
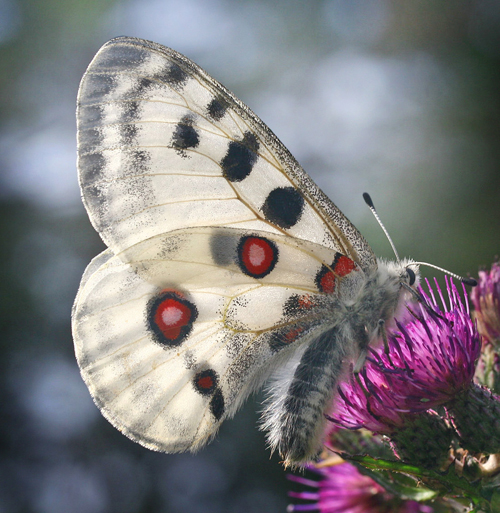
x: 296, y: 423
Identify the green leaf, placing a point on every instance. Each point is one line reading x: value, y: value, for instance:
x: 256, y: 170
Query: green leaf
x: 431, y: 483
x: 409, y: 492
x: 397, y: 483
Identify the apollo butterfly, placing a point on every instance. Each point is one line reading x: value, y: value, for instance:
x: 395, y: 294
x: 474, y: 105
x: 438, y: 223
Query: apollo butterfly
x: 226, y: 267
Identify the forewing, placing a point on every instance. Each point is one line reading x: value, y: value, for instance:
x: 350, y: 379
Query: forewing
x: 171, y: 344
x: 163, y: 146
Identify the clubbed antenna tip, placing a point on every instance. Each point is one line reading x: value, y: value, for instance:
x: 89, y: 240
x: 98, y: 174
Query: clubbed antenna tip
x: 368, y: 200
x: 469, y: 281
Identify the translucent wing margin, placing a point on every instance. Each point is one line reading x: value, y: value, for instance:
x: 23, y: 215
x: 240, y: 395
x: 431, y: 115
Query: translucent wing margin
x: 163, y: 146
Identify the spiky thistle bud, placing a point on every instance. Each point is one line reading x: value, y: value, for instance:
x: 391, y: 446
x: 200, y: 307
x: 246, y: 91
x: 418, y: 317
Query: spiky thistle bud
x: 475, y: 413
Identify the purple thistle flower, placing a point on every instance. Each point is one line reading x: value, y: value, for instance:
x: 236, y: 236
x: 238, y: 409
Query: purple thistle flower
x: 343, y: 489
x: 431, y: 360
x: 486, y: 300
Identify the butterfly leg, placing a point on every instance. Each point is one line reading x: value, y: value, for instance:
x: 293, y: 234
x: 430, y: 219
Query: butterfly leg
x: 383, y: 334
x: 363, y: 341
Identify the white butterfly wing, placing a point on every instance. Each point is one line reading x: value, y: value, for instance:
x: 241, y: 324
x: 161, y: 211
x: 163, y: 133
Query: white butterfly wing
x: 172, y: 343
x: 163, y: 146
x: 224, y: 257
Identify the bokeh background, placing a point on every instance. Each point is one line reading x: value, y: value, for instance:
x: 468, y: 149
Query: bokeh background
x: 396, y: 97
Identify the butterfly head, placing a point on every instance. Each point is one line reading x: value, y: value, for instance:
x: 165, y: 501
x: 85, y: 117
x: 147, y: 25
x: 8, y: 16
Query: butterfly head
x: 395, y: 285
x: 400, y: 273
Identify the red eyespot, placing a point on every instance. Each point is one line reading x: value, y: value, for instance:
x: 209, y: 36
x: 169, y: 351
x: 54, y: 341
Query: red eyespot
x: 257, y: 256
x: 326, y: 278
x: 205, y: 382
x: 343, y: 265
x: 171, y: 317
x: 327, y: 282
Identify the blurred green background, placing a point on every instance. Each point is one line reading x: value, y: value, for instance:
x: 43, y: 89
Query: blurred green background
x: 399, y: 98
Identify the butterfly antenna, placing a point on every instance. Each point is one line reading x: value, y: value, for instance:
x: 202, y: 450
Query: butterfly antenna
x: 468, y: 281
x: 369, y: 202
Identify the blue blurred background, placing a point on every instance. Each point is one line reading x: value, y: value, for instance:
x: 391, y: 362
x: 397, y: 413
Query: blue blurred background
x: 395, y: 97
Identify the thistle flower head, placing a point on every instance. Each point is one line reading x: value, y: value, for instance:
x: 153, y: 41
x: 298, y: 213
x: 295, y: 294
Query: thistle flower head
x: 486, y: 300
x: 431, y: 359
x: 343, y: 489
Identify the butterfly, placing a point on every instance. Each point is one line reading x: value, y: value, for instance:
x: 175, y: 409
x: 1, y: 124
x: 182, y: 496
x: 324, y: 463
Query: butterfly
x: 226, y: 267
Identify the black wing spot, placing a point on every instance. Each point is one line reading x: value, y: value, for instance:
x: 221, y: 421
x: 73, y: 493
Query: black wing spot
x: 131, y: 111
x: 217, y: 108
x: 217, y: 406
x: 284, y: 207
x: 174, y: 75
x: 185, y: 135
x: 240, y: 158
x: 143, y: 84
x: 139, y: 161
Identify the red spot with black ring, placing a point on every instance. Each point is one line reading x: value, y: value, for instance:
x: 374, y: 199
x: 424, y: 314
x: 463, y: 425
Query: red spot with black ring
x: 326, y: 279
x: 171, y: 317
x: 257, y: 256
x: 205, y: 382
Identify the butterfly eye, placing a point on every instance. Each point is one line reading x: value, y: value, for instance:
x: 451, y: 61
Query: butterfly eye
x: 411, y: 276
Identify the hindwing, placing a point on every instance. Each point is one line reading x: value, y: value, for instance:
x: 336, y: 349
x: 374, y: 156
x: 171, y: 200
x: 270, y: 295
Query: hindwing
x: 173, y: 335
